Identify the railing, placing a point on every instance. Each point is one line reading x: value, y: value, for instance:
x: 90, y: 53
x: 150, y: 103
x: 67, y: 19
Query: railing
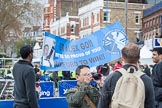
x: 7, y: 89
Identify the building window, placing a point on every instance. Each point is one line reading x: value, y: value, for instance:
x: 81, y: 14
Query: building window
x: 96, y: 20
x: 137, y: 17
x: 45, y: 10
x: 46, y: 22
x: 106, y: 16
x: 151, y: 23
x: 98, y: 17
x: 145, y: 25
x: 81, y: 23
x: 157, y: 20
x: 148, y: 24
x: 52, y: 9
x: 87, y: 21
x: 72, y: 28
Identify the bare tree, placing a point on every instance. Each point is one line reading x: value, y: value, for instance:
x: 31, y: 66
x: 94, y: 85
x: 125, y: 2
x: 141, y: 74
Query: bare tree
x: 14, y: 14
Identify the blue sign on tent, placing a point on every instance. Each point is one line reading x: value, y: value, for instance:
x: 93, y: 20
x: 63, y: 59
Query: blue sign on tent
x: 157, y: 42
x: 66, y: 85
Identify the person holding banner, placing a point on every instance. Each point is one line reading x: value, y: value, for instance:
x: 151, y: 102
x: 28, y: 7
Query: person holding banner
x: 24, y: 80
x: 84, y: 95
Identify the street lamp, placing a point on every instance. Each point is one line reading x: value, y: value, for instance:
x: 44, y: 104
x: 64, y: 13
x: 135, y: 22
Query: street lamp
x: 126, y: 16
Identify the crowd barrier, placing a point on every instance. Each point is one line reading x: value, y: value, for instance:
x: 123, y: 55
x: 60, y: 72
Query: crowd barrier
x: 55, y: 102
x: 65, y: 85
x: 47, y: 99
x: 47, y: 89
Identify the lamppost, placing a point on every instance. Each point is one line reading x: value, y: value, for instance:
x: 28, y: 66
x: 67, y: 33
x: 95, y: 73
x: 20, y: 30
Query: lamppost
x: 126, y: 16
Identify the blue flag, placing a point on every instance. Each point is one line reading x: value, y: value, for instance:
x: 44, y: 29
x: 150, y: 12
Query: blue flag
x: 98, y: 48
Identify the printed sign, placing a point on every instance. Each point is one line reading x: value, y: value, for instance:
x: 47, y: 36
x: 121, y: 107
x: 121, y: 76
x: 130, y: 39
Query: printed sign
x: 47, y: 89
x: 157, y: 42
x: 98, y: 48
x: 65, y: 85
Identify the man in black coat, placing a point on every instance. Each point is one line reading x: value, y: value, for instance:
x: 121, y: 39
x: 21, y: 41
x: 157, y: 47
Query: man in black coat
x: 24, y: 76
x: 157, y: 75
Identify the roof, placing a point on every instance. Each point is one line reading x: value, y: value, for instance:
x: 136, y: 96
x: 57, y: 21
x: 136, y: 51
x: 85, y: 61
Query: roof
x: 153, y: 9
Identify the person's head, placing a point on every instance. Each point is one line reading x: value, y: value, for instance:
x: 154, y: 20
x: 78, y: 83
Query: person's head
x: 46, y: 50
x: 131, y: 54
x: 145, y: 65
x: 36, y: 65
x: 81, y: 72
x: 157, y: 54
x: 26, y: 52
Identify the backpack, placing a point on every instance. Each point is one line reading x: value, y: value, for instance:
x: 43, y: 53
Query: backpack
x: 129, y: 91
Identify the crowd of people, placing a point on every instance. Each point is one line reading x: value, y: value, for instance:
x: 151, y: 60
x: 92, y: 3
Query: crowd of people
x: 109, y: 95
x: 111, y: 86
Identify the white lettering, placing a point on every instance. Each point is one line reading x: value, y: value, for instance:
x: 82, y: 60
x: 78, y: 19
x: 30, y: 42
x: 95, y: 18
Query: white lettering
x: 59, y: 55
x: 96, y: 50
x: 65, y: 90
x: 77, y: 55
x: 46, y: 93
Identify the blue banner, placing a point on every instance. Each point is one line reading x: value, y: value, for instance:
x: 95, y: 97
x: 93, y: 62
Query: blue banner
x: 54, y: 102
x: 65, y: 85
x: 47, y: 89
x: 98, y: 48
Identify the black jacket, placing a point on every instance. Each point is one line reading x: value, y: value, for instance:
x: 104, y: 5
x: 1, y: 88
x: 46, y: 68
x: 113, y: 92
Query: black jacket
x: 109, y: 87
x: 157, y: 81
x: 24, y: 86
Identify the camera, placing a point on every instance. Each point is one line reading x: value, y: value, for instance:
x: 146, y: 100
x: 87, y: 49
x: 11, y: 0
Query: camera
x: 96, y: 76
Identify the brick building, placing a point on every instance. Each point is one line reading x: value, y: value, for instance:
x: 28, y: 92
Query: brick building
x: 93, y: 16
x: 55, y: 9
x: 152, y: 21
x: 67, y: 27
x: 100, y: 13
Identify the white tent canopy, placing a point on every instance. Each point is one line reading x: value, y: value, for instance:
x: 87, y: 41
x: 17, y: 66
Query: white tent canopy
x: 145, y: 52
x: 146, y: 55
